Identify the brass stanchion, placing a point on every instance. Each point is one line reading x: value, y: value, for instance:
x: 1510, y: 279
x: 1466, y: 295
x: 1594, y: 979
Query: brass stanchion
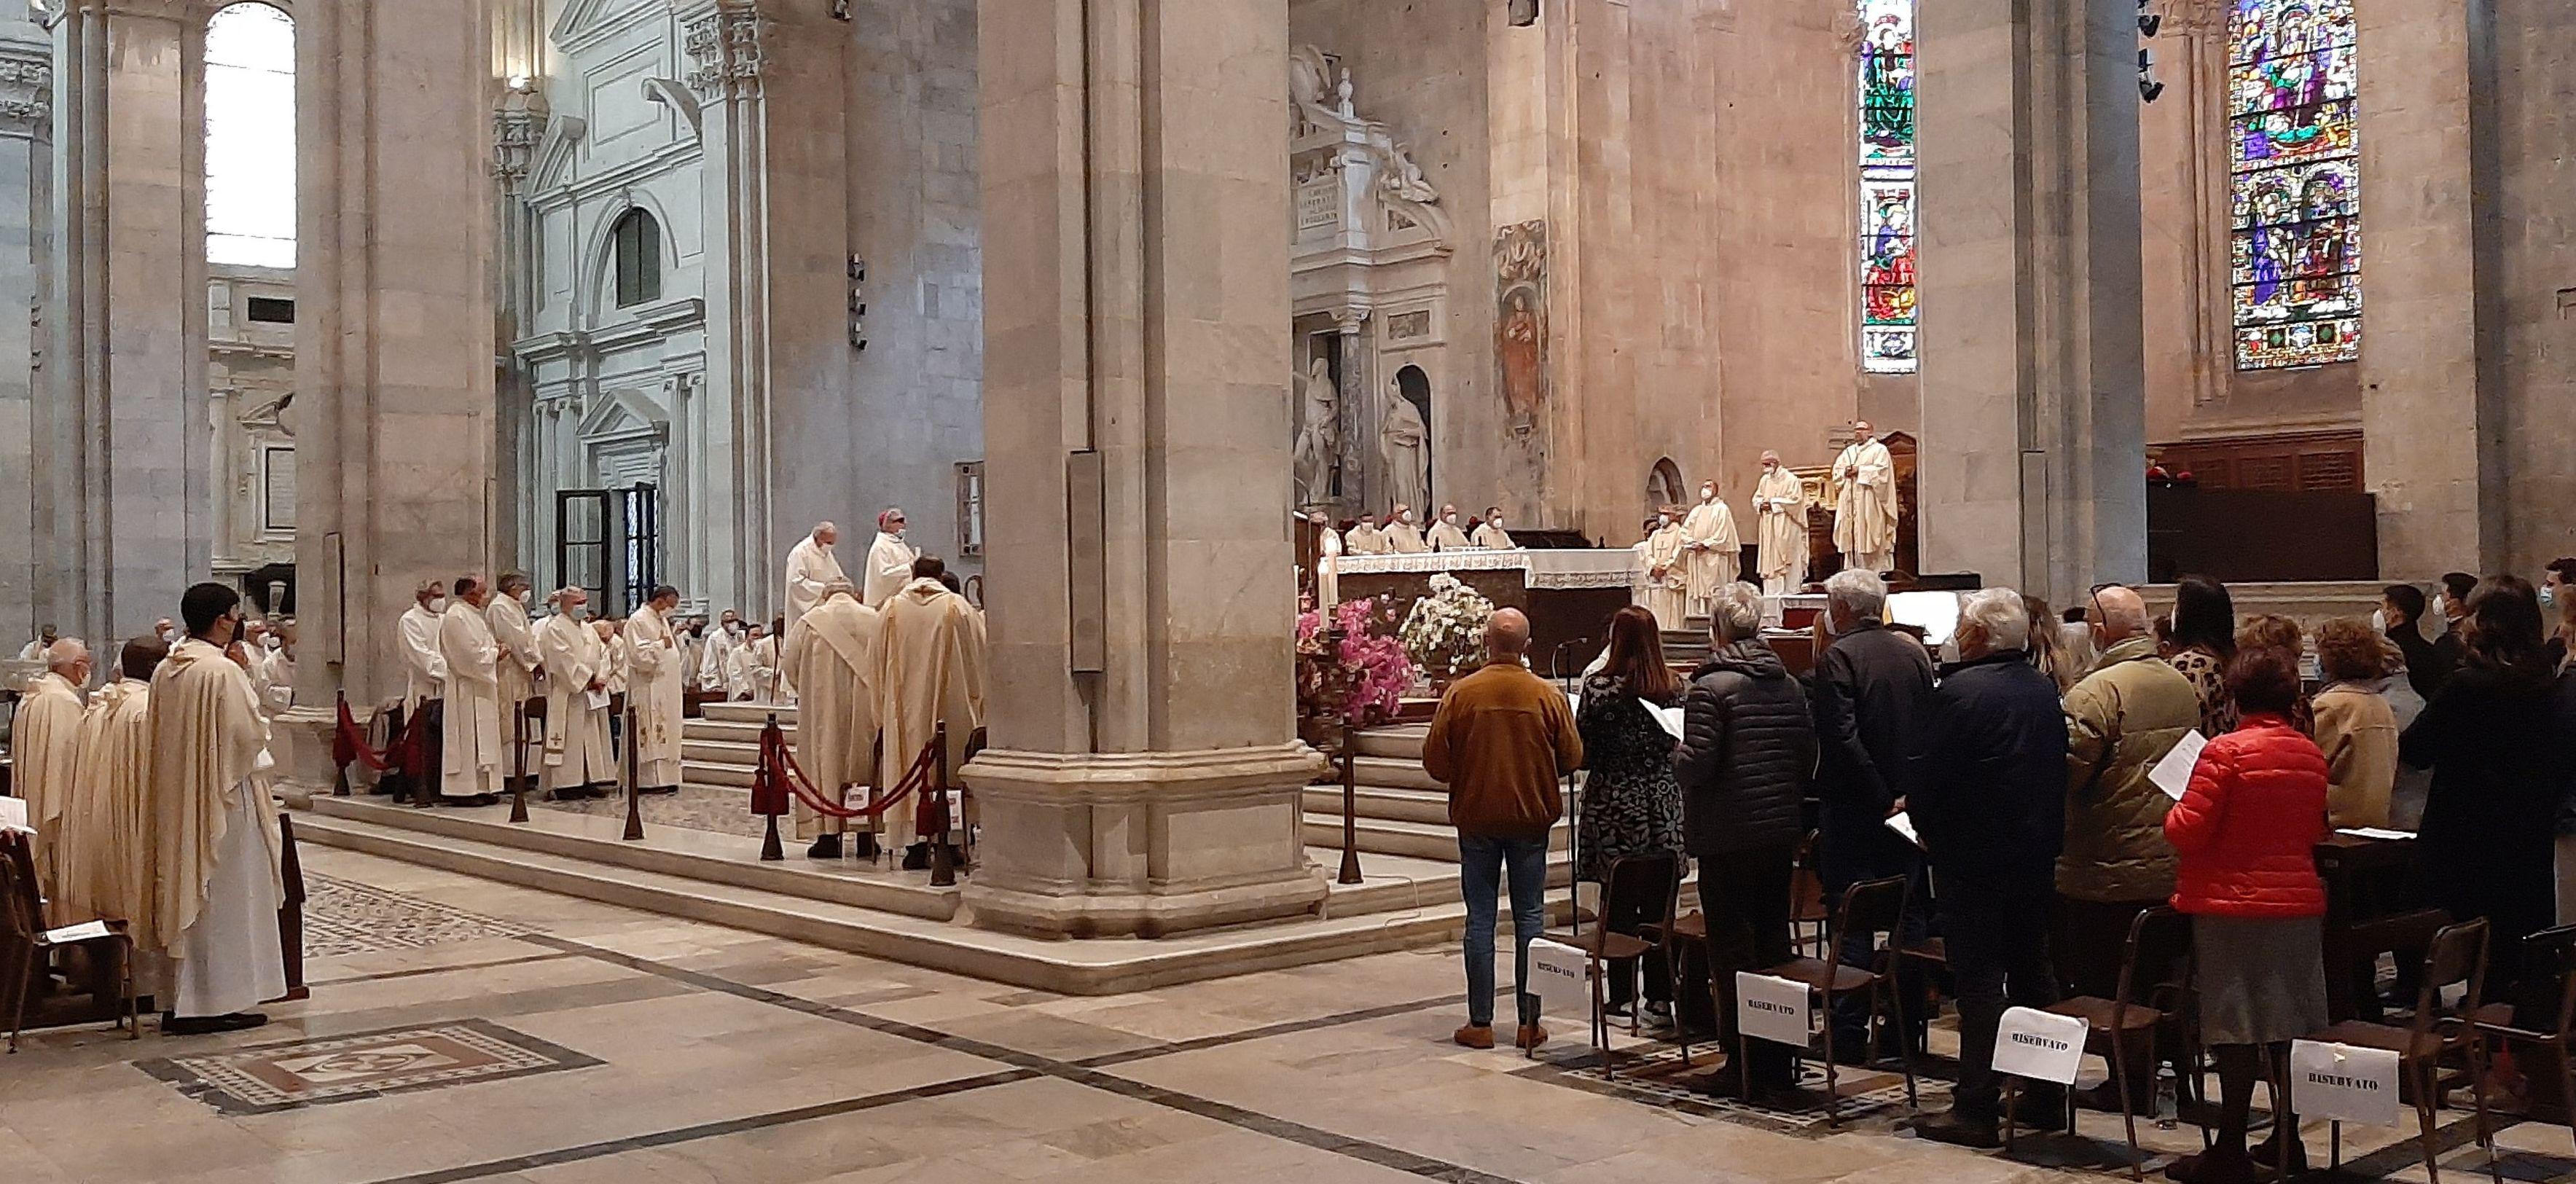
x: 1350, y: 806
x: 634, y: 783
x: 519, y: 762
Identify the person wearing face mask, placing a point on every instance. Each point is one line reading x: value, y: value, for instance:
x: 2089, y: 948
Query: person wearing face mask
x: 577, y: 760
x: 1365, y: 538
x: 1865, y: 510
x: 44, y: 746
x: 2451, y: 613
x: 424, y: 672
x: 2558, y: 607
x: 1490, y: 534
x: 889, y: 560
x: 1667, y: 580
x: 1780, y: 528
x: 167, y: 632
x: 2400, y: 616
x: 1328, y: 562
x: 715, y: 658
x: 1448, y: 534
x: 1402, y: 536
x: 1713, y: 553
x: 476, y: 753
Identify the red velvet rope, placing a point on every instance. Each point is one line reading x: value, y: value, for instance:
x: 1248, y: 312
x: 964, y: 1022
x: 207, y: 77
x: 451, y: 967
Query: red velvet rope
x: 349, y: 742
x: 778, y: 768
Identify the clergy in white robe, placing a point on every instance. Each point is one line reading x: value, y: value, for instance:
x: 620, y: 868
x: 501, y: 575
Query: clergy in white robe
x: 810, y: 566
x: 1714, y: 555
x: 1490, y: 534
x: 931, y: 670
x: 832, y: 658
x: 615, y: 639
x: 1780, y: 515
x: 711, y: 670
x: 424, y: 669
x: 889, y: 561
x: 215, y: 851
x: 273, y: 676
x: 105, y: 856
x: 1328, y: 564
x: 45, y: 752
x: 1865, y: 509
x: 1667, y: 583
x: 578, y: 756
x: 653, y: 681
x: 1366, y: 539
x: 34, y: 651
x: 1402, y: 536
x: 1449, y: 532
x: 474, y: 755
x: 518, y: 667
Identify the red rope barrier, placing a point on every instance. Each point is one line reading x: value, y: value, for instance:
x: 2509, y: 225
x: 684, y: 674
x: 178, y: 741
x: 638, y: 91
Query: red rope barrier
x: 349, y: 743
x: 779, y: 776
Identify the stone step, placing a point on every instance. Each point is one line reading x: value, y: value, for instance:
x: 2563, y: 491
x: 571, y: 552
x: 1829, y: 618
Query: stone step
x: 1394, y: 805
x: 1418, y: 840
x: 1400, y: 742
x: 744, y: 753
x: 1396, y: 773
x: 750, y: 713
x: 733, y: 731
x: 1395, y: 883
x: 714, y: 775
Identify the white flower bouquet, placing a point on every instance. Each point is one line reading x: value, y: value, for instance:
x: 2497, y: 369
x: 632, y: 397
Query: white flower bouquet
x: 1445, y: 631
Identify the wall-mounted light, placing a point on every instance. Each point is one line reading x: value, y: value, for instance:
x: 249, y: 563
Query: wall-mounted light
x: 520, y: 83
x: 2148, y: 88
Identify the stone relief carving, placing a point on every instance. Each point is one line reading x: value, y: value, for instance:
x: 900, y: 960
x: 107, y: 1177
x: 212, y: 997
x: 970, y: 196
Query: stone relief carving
x: 517, y: 127
x: 1321, y: 105
x: 725, y: 55
x: 26, y: 93
x: 1318, y: 437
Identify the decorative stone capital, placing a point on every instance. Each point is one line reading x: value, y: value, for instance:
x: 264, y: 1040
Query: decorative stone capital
x: 517, y: 127
x: 26, y: 93
x: 723, y: 40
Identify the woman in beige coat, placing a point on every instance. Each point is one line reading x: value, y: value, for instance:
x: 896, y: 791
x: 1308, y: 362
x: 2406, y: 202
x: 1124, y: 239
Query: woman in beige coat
x: 2355, y: 726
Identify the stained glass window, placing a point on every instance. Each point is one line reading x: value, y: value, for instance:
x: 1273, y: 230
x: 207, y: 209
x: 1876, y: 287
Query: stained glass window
x: 1887, y: 315
x: 2295, y: 200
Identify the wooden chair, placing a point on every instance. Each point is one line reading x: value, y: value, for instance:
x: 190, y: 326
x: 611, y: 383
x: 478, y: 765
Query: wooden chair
x: 2159, y: 946
x: 1647, y: 885
x: 2556, y: 950
x: 1873, y: 907
x: 1807, y: 892
x: 22, y: 929
x: 2458, y: 957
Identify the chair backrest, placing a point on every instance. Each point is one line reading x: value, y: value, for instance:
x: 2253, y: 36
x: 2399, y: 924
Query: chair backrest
x: 2458, y: 957
x: 2554, y: 950
x: 1872, y: 907
x: 2158, y: 954
x: 21, y: 905
x: 1646, y: 886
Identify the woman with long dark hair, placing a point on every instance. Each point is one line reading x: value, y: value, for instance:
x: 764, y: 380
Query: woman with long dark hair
x: 1631, y: 804
x: 2201, y: 644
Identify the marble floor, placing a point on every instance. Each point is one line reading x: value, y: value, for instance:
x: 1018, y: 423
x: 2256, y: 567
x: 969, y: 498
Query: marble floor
x: 461, y: 1030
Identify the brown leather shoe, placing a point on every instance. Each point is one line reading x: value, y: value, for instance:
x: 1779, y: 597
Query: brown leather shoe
x: 1531, y: 1036
x: 1475, y: 1035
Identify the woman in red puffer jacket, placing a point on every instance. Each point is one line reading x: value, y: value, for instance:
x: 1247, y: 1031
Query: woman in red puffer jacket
x: 2246, y: 833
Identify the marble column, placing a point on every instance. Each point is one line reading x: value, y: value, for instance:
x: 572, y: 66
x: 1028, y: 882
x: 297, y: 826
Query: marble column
x: 26, y: 148
x: 2034, y: 415
x: 394, y: 346
x: 125, y: 454
x: 1144, y: 775
x: 2432, y: 435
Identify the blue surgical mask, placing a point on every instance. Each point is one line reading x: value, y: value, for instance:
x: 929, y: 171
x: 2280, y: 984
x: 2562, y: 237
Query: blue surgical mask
x: 2548, y: 596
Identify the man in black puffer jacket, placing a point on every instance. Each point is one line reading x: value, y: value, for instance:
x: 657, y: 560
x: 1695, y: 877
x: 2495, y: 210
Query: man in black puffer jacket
x: 1990, y: 804
x: 1747, y: 748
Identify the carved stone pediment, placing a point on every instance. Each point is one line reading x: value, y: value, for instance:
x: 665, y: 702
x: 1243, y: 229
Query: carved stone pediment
x: 1353, y: 180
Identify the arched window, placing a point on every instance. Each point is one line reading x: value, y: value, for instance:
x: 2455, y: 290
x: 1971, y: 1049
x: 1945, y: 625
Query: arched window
x: 2294, y: 182
x: 1663, y: 485
x: 1887, y: 315
x: 250, y: 137
x: 638, y: 248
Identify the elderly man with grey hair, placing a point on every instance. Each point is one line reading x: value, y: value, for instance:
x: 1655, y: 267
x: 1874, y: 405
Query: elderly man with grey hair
x: 1990, y: 806
x: 1747, y: 747
x: 44, y: 750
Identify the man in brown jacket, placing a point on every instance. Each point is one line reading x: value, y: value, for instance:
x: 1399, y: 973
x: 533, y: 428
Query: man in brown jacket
x: 1501, y: 741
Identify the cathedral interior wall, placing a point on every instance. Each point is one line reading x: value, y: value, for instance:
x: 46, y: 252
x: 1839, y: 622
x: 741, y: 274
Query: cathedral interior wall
x: 2529, y: 172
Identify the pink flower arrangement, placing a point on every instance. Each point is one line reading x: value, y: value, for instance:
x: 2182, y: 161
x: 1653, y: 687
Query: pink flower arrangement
x: 1365, y: 682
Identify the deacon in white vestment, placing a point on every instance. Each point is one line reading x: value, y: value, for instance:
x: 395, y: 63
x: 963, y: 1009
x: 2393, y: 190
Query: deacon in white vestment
x: 45, y: 752
x: 1865, y: 509
x: 931, y: 670
x: 653, y: 681
x: 474, y: 754
x: 1448, y: 534
x: 1490, y: 534
x: 1402, y: 536
x: 889, y: 561
x: 519, y: 667
x: 424, y: 673
x: 1328, y: 564
x: 579, y: 760
x: 1366, y: 539
x: 810, y: 566
x: 106, y: 862
x: 1715, y: 552
x: 832, y: 658
x: 1780, y: 514
x: 216, y: 860
x: 1667, y: 583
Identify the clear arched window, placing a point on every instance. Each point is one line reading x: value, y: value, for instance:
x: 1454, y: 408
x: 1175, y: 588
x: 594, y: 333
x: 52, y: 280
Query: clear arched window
x: 250, y: 137
x: 638, y: 248
x: 2294, y: 174
x: 1887, y: 314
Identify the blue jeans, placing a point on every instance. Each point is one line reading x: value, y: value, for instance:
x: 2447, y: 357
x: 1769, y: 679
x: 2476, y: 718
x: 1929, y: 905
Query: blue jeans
x: 1482, y: 864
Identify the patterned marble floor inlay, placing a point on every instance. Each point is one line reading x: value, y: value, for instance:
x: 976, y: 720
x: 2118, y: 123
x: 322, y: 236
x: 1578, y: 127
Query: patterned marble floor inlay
x: 347, y: 917
x: 277, y: 1077
x: 695, y: 807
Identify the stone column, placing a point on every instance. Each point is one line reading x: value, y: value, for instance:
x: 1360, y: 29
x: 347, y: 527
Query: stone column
x: 26, y: 148
x: 2034, y: 415
x: 394, y: 375
x: 1143, y: 776
x: 125, y: 454
x: 2432, y: 427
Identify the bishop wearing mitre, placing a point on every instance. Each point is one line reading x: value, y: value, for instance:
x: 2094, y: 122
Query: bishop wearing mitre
x: 105, y: 832
x: 1364, y: 538
x: 653, y: 678
x: 889, y: 560
x: 1713, y: 553
x: 1780, y: 530
x: 930, y: 671
x: 1865, y: 508
x: 1402, y: 536
x: 1667, y: 580
x: 832, y: 658
x: 811, y: 567
x: 215, y: 857
x: 45, y: 750
x: 519, y: 667
x: 577, y: 759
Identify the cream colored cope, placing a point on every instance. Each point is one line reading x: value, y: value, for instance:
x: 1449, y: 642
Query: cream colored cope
x: 45, y: 765
x: 832, y: 657
x: 930, y: 671
x: 473, y: 755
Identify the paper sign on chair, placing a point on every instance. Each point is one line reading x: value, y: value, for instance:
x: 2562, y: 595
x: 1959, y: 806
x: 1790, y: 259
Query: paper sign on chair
x: 2038, y: 1045
x: 2340, y: 1081
x: 1773, y: 1009
x: 1560, y: 976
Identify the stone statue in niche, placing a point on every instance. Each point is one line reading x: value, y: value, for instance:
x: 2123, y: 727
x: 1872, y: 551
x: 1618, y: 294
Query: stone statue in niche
x: 1320, y: 411
x: 1520, y: 322
x: 1405, y: 440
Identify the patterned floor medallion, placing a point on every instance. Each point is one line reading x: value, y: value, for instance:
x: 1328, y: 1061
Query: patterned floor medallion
x: 278, y: 1077
x: 347, y: 917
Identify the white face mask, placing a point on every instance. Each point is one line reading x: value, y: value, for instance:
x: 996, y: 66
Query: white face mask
x: 438, y: 604
x: 733, y: 626
x: 1708, y: 493
x: 1451, y: 519
x: 1496, y: 522
x: 1663, y: 519
x: 2379, y: 620
x: 1406, y: 516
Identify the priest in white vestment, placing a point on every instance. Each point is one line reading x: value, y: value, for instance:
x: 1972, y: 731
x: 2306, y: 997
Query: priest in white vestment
x: 1328, y: 563
x: 810, y: 566
x: 1449, y: 533
x: 274, y: 676
x: 34, y: 651
x: 931, y: 669
x: 832, y: 658
x: 755, y: 675
x: 1714, y: 551
x: 424, y: 673
x: 105, y: 859
x: 44, y: 752
x: 889, y: 561
x: 714, y: 664
x: 578, y: 759
x: 1402, y: 536
x: 1780, y: 514
x: 1490, y: 534
x: 474, y: 756
x: 216, y: 860
x: 1667, y: 583
x: 615, y: 639
x: 1366, y: 539
x: 518, y: 667
x: 653, y: 681
x: 1865, y: 509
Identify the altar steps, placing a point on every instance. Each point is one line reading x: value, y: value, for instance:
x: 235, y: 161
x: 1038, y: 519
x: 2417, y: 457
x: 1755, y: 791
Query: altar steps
x: 722, y: 748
